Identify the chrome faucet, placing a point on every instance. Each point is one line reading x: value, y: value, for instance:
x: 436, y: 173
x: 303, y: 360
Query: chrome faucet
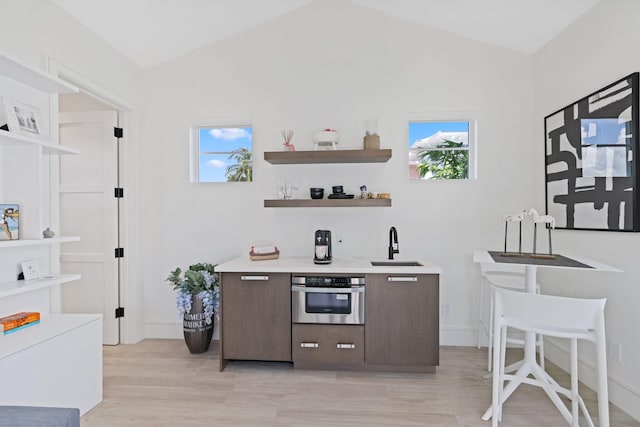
x: 393, y: 238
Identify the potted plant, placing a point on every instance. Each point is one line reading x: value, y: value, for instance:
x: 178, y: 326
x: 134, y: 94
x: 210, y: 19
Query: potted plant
x: 197, y: 300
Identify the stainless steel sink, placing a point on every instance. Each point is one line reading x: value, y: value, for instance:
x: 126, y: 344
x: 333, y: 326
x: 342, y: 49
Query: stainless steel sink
x: 392, y: 263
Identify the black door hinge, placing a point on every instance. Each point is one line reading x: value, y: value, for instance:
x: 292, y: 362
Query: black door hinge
x: 119, y: 252
x: 118, y: 193
x: 117, y: 132
x: 119, y: 312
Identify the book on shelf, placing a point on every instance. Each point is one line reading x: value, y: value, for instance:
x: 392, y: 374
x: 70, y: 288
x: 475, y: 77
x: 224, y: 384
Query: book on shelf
x: 17, y: 320
x: 26, y: 325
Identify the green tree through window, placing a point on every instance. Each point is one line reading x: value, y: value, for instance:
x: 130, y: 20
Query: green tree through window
x: 441, y: 149
x: 242, y: 169
x: 444, y: 164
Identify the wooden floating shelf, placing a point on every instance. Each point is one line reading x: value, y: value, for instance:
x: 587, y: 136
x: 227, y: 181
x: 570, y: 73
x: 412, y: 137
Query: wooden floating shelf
x: 327, y: 156
x: 327, y: 203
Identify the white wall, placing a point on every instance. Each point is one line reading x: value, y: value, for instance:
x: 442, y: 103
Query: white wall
x: 332, y: 64
x: 598, y: 49
x: 35, y: 31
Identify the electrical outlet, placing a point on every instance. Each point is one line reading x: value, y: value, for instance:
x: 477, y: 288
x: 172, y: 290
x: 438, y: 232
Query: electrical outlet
x: 614, y: 351
x: 619, y: 351
x: 445, y: 310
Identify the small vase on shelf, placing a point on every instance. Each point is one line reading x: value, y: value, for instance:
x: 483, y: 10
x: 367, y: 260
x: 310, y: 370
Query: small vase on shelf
x: 48, y: 233
x: 287, y: 145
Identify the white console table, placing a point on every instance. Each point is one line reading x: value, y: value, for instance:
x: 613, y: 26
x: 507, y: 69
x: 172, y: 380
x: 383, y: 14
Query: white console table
x: 57, y: 363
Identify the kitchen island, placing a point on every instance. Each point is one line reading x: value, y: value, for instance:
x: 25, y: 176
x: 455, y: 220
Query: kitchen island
x: 398, y: 331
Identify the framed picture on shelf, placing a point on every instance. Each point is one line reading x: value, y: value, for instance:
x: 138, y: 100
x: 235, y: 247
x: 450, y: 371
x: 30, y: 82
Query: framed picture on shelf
x: 591, y: 160
x: 9, y: 222
x: 30, y: 270
x: 22, y: 118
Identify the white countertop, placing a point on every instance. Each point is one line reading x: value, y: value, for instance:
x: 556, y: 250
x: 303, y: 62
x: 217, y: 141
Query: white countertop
x: 483, y: 256
x: 306, y: 265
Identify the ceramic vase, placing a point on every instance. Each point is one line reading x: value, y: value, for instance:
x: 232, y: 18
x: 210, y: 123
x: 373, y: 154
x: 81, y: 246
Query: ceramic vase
x: 197, y: 334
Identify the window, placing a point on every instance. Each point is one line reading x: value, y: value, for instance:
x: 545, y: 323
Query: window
x: 441, y: 149
x: 222, y: 154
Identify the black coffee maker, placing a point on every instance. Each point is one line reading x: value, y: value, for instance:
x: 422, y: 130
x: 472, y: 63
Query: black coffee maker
x: 322, y: 247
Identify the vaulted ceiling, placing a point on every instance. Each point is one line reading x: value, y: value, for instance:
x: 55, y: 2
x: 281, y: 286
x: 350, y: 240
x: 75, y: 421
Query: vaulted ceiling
x: 150, y: 32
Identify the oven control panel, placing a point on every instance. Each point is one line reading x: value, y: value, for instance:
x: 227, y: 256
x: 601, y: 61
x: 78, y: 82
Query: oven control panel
x: 327, y: 281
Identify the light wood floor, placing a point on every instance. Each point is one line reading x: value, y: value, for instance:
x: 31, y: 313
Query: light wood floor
x: 158, y: 383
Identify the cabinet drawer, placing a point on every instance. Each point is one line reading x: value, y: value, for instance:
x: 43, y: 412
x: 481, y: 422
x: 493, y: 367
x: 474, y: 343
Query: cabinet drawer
x: 328, y: 344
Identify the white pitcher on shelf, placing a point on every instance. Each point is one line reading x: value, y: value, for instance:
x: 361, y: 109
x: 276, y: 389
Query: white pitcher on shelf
x: 326, y: 138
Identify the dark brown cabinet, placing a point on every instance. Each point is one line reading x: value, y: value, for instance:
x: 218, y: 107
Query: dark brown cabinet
x: 327, y: 346
x: 256, y: 317
x: 402, y: 320
x: 401, y: 330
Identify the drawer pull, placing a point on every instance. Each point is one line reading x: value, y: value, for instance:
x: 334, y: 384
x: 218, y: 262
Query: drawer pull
x: 402, y: 279
x: 346, y: 346
x: 255, y: 278
x: 308, y: 345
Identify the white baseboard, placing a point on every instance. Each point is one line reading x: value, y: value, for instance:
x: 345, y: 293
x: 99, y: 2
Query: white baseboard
x: 163, y: 330
x: 170, y: 331
x: 463, y: 336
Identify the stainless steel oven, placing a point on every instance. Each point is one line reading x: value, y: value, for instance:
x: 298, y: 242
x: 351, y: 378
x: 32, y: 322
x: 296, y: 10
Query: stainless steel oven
x: 327, y: 299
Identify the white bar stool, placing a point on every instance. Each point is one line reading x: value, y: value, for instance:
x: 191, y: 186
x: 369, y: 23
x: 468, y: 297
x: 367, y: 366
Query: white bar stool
x: 504, y: 276
x: 560, y: 317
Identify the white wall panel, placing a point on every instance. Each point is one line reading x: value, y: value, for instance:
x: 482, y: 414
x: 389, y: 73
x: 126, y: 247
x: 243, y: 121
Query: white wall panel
x: 595, y: 51
x: 333, y: 64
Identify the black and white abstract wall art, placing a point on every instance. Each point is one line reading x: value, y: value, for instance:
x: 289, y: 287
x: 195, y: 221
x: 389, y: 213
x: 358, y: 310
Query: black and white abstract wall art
x: 591, y: 156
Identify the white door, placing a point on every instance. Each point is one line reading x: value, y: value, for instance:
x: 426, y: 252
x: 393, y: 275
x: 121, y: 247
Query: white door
x: 89, y: 209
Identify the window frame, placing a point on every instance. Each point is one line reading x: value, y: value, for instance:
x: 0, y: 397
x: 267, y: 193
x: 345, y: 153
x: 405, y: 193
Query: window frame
x: 461, y: 116
x: 194, y: 146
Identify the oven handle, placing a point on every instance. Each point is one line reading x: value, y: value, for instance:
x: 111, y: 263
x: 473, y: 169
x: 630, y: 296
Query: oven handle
x: 309, y: 289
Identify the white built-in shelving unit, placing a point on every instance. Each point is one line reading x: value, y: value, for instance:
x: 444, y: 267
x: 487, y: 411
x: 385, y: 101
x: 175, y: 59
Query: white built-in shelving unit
x: 37, y: 242
x: 8, y: 138
x: 36, y: 79
x: 63, y: 351
x: 16, y: 287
